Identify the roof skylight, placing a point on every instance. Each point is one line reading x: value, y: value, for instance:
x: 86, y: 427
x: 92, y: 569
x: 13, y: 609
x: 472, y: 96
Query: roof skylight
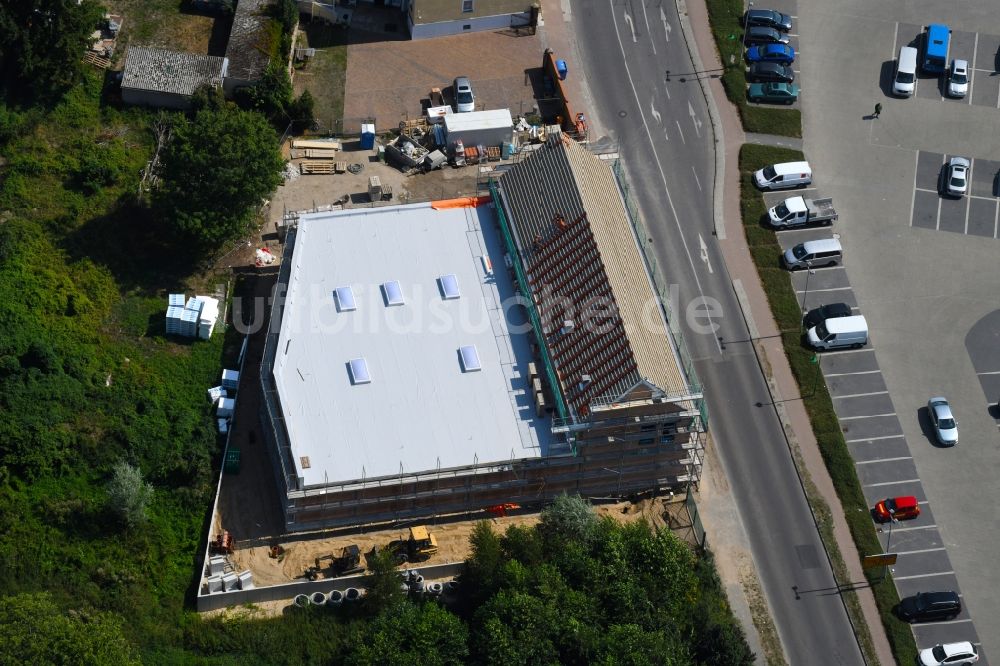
x: 393, y: 293
x: 345, y: 299
x: 449, y: 286
x: 359, y: 371
x: 470, y: 358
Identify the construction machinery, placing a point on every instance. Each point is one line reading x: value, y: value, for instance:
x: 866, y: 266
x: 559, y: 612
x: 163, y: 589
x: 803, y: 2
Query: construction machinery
x: 344, y: 564
x: 421, y: 545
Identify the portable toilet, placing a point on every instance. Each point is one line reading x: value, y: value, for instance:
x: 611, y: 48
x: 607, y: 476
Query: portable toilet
x: 367, y: 136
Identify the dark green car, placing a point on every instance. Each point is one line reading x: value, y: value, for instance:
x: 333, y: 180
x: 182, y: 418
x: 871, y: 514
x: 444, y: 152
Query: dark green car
x: 773, y: 93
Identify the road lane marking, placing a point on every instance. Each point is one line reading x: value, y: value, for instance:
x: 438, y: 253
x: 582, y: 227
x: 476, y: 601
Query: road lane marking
x: 659, y: 167
x: 645, y: 17
x: 681, y: 131
x: 882, y: 460
x: 991, y: 372
x: 873, y: 439
x: 628, y: 19
x: 696, y: 179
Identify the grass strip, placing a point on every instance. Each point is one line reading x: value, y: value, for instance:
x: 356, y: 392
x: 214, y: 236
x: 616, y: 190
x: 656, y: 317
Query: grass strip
x: 724, y: 17
x: 826, y: 427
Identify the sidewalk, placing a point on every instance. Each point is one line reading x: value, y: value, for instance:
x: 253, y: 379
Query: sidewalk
x: 783, y: 385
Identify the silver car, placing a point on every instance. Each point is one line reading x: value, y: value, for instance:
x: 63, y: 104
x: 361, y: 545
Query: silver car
x: 957, y: 176
x: 958, y: 78
x: 465, y: 101
x: 945, y: 428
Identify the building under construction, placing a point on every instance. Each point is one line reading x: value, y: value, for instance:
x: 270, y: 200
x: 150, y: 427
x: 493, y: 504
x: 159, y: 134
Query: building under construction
x: 440, y: 358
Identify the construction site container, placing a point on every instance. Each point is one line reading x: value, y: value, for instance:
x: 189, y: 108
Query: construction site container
x: 367, y: 136
x: 224, y: 407
x: 230, y: 379
x: 485, y: 128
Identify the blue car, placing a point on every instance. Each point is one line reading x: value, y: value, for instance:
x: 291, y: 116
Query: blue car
x: 783, y: 54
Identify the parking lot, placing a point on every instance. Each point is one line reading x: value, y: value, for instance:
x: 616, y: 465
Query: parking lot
x: 975, y: 214
x: 875, y: 436
x: 981, y: 51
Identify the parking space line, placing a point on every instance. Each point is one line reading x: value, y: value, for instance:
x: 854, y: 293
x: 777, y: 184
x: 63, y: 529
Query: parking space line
x: 873, y: 439
x: 930, y: 575
x: 859, y: 395
x: 967, y: 196
x: 816, y: 291
x: 967, y: 204
x: 847, y: 351
x: 926, y: 189
x: 916, y: 160
x: 891, y: 483
x: 866, y: 416
x: 991, y: 372
x: 972, y: 72
x: 918, y: 552
x: 859, y: 372
x: 895, y: 38
x: 882, y: 460
x: 996, y: 216
x: 928, y: 624
x: 911, y: 529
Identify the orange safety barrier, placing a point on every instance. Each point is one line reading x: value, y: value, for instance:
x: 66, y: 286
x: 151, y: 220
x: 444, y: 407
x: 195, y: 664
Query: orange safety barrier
x: 460, y: 202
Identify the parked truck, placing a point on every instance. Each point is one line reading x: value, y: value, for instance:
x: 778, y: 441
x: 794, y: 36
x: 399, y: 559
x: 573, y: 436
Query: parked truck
x: 798, y: 212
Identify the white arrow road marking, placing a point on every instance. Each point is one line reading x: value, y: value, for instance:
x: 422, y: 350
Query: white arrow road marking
x: 694, y: 119
x: 704, y: 252
x: 652, y: 108
x: 628, y: 19
x: 666, y: 26
x: 667, y: 137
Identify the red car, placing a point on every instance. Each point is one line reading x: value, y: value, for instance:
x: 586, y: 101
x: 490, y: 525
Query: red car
x: 900, y: 508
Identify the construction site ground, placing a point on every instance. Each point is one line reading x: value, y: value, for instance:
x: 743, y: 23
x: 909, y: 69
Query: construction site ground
x: 300, y: 551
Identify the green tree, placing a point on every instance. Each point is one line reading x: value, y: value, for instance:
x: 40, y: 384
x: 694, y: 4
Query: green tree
x: 128, y: 495
x: 569, y: 517
x: 216, y: 171
x: 515, y: 628
x: 34, y: 630
x: 271, y: 96
x: 42, y: 43
x: 411, y: 633
x: 385, y: 591
x: 302, y: 110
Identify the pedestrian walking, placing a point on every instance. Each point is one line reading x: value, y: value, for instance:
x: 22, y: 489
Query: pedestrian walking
x: 878, y: 111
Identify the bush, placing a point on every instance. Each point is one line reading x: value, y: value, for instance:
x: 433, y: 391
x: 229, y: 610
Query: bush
x: 128, y: 495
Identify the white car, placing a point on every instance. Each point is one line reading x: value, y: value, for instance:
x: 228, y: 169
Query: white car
x: 465, y: 101
x: 949, y: 654
x: 958, y: 78
x: 945, y: 428
x: 957, y: 176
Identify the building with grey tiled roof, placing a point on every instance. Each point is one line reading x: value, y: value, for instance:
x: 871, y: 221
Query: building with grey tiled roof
x: 162, y: 78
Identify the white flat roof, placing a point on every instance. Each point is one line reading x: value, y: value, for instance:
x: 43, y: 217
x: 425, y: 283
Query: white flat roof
x: 473, y: 120
x: 378, y: 389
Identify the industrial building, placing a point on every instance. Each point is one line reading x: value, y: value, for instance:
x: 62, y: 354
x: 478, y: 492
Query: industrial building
x: 438, y: 358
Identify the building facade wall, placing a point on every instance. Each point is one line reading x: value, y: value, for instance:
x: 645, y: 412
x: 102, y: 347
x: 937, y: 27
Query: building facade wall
x: 156, y: 99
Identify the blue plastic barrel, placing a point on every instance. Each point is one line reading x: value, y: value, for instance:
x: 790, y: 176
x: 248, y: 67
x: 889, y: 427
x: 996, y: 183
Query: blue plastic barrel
x: 561, y: 69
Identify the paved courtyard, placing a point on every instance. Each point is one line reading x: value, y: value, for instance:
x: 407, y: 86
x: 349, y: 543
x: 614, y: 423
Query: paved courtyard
x: 393, y: 84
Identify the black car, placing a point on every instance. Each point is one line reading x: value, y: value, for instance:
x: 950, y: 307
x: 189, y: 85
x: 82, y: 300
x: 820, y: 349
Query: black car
x: 821, y: 314
x: 760, y: 35
x: 928, y: 606
x: 768, y: 18
x: 763, y: 72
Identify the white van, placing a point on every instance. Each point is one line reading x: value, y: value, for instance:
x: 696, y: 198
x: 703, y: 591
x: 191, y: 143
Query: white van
x: 906, y: 72
x: 783, y: 176
x: 822, y: 252
x: 839, y: 332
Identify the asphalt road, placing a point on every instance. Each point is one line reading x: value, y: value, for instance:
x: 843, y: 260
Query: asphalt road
x: 666, y: 142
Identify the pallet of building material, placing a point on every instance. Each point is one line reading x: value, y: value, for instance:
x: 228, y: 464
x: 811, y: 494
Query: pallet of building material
x: 493, y: 153
x: 339, y: 167
x: 313, y: 153
x: 319, y: 145
x: 471, y: 155
x: 407, y: 126
x: 315, y: 167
